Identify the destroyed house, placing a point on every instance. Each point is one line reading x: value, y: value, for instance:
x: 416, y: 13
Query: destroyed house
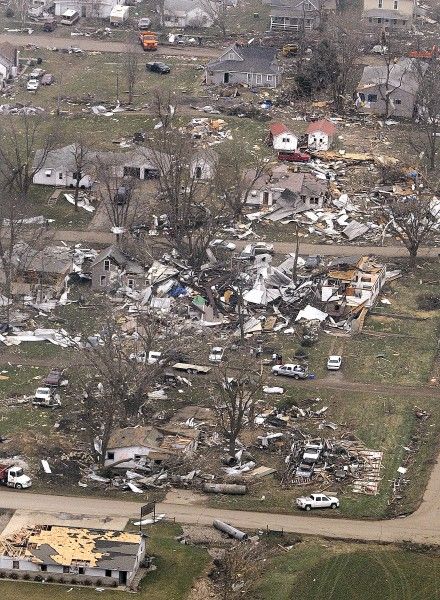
x: 111, y: 556
x: 112, y: 269
x: 399, y: 82
x: 298, y: 15
x: 353, y: 281
x: 39, y: 271
x: 253, y: 66
x: 135, y: 446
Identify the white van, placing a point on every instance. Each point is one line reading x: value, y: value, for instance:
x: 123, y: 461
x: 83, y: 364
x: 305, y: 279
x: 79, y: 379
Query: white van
x: 69, y: 17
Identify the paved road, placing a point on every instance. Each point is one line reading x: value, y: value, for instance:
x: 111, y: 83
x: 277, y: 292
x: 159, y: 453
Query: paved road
x: 104, y: 237
x: 422, y: 527
x: 87, y: 43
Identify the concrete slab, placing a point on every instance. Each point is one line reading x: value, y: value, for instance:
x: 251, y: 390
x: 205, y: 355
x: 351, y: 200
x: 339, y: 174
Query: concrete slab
x: 24, y: 518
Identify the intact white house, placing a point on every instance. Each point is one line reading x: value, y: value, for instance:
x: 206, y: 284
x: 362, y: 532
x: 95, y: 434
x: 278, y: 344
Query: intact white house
x: 282, y: 139
x: 97, y: 9
x: 59, y: 166
x: 321, y: 135
x: 185, y: 13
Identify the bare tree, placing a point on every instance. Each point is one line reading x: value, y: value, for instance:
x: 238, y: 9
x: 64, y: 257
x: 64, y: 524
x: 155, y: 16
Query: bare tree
x: 120, y: 367
x: 29, y: 142
x: 411, y: 218
x: 118, y: 194
x: 338, y: 52
x: 233, y: 182
x: 237, y: 390
x: 81, y: 158
x: 185, y: 195
x: 130, y: 63
x: 428, y: 113
x: 15, y: 252
x: 217, y: 11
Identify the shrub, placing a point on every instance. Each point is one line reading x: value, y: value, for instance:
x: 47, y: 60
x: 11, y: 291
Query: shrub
x: 13, y: 576
x: 98, y: 583
x: 73, y: 580
x: 38, y: 578
x: 87, y: 582
x: 428, y: 301
x: 9, y: 12
x: 50, y: 579
x: 61, y: 580
x: 114, y: 584
x: 2, y: 574
x: 26, y: 576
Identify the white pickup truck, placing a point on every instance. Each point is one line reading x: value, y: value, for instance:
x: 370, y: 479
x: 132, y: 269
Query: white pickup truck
x: 317, y: 500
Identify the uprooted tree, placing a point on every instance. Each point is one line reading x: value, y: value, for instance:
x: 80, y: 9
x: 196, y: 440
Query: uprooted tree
x: 411, y: 218
x: 186, y: 192
x: 237, y: 393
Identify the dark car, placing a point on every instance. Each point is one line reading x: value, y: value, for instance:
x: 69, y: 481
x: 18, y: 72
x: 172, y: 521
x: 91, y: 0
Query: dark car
x: 122, y: 195
x: 158, y: 67
x: 294, y: 156
x: 54, y: 378
x: 49, y: 26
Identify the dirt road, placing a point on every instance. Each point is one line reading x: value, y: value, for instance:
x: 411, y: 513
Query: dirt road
x: 422, y: 527
x: 93, y: 45
x: 104, y: 237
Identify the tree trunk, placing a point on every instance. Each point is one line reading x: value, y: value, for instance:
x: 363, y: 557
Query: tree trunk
x: 76, y: 194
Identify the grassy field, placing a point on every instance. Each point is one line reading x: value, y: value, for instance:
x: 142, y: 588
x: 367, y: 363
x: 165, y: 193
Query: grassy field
x: 383, y: 423
x: 338, y: 571
x: 99, y: 78
x: 177, y: 567
x: 399, y: 350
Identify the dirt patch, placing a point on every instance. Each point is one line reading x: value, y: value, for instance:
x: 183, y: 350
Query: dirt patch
x: 185, y: 497
x: 202, y: 590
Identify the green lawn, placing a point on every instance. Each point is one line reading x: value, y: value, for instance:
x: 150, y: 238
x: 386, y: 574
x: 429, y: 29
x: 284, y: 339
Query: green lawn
x: 177, y: 568
x: 314, y: 570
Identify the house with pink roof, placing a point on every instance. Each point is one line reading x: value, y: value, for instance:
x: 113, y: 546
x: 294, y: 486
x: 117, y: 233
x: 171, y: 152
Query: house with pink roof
x: 321, y: 134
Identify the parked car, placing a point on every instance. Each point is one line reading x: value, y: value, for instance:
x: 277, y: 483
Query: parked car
x: 295, y: 371
x: 334, y: 363
x: 54, y: 378
x: 216, y: 354
x: 144, y: 23
x: 312, y: 452
x: 49, y: 26
x: 47, y: 79
x: 224, y: 244
x: 317, y: 500
x: 378, y: 49
x: 305, y: 469
x: 32, y: 85
x: 252, y: 250
x: 45, y: 397
x: 158, y: 67
x: 141, y: 357
x: 296, y: 156
x: 36, y: 73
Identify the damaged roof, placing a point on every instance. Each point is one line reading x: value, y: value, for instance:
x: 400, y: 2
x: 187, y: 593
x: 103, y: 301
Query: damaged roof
x: 113, y: 253
x: 67, y: 546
